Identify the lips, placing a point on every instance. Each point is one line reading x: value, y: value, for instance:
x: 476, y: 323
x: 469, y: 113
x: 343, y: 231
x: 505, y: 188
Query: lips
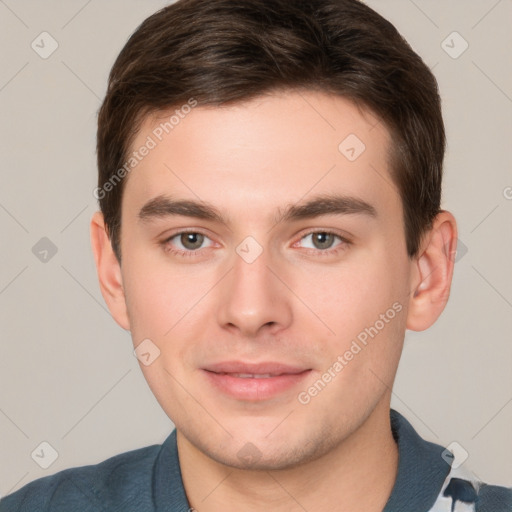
x: 254, y: 381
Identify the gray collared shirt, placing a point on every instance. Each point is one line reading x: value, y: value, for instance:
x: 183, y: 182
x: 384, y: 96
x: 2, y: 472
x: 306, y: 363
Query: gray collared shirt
x: 149, y: 479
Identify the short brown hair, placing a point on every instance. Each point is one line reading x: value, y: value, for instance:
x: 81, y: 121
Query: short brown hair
x: 224, y: 51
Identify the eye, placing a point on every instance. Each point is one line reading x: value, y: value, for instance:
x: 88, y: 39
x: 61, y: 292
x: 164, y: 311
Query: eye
x: 186, y: 242
x: 189, y: 243
x: 323, y: 242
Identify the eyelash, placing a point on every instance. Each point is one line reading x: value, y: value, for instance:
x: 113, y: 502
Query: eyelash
x: 327, y: 252
x: 316, y: 252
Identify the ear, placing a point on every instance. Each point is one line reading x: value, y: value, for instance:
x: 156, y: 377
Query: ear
x: 432, y: 273
x: 109, y: 271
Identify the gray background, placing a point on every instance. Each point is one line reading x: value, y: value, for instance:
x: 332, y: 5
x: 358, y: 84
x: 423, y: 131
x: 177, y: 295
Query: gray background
x: 67, y: 372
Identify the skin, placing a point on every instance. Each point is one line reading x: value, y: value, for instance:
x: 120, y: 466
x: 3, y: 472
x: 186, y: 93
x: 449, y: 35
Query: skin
x: 297, y: 303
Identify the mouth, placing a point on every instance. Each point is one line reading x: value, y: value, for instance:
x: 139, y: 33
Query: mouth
x: 254, y: 382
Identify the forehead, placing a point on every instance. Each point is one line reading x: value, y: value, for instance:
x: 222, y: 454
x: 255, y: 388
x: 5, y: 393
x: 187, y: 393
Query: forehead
x: 280, y: 147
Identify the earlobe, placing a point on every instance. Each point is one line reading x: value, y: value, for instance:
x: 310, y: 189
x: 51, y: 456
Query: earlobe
x: 109, y: 271
x: 433, y: 272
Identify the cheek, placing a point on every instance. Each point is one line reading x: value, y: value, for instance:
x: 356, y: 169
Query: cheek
x: 364, y: 355
x: 351, y: 296
x: 153, y: 303
x: 148, y: 305
x: 168, y: 304
x: 364, y: 307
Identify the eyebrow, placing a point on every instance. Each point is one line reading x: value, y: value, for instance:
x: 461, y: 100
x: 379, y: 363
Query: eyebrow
x: 331, y: 204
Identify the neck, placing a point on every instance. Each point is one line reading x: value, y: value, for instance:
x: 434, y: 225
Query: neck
x: 358, y: 474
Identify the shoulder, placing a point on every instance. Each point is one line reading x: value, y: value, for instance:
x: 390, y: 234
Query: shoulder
x: 435, y: 479
x: 475, y: 496
x: 461, y: 489
x: 492, y: 498
x: 122, y: 482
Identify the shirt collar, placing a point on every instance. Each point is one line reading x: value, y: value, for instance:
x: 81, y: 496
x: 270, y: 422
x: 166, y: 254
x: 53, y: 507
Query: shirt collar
x: 168, y: 490
x: 421, y: 469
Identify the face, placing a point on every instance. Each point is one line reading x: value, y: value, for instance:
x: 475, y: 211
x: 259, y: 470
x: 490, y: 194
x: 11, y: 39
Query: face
x: 264, y: 257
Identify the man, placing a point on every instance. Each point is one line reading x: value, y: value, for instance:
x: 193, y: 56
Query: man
x: 269, y: 184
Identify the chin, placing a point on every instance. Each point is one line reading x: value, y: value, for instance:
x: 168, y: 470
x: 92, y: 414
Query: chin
x: 265, y: 450
x: 250, y: 457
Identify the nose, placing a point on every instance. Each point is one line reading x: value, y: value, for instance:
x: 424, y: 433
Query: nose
x: 252, y: 298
